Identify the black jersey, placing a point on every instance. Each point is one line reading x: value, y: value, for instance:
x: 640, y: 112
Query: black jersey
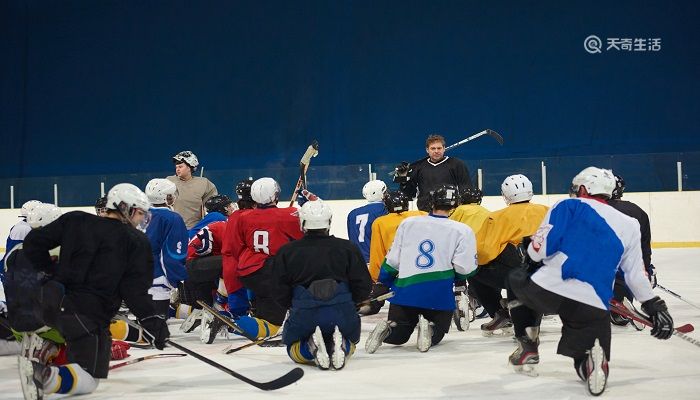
x: 316, y: 257
x: 426, y: 176
x: 102, y: 261
x: 630, y: 209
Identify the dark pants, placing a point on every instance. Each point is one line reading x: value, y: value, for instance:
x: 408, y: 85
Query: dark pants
x: 406, y: 319
x: 261, y: 282
x: 581, y: 324
x: 491, y: 278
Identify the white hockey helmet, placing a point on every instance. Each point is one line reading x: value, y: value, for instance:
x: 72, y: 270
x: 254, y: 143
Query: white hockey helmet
x: 265, y: 191
x: 516, y: 188
x: 42, y: 215
x: 315, y: 215
x: 125, y: 198
x: 188, y: 158
x: 29, y: 206
x: 597, y: 181
x: 374, y: 190
x: 161, y: 191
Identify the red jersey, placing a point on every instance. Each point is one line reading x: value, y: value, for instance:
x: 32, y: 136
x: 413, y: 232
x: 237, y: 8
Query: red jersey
x: 208, y: 241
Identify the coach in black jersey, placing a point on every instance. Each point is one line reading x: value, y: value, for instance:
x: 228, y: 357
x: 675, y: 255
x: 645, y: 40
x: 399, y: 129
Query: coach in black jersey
x: 423, y: 176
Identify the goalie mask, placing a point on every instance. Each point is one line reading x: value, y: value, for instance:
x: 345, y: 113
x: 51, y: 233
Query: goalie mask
x: 188, y: 158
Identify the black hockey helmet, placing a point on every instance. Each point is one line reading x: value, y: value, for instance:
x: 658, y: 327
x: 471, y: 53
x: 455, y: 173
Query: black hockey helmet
x: 471, y: 196
x: 445, y: 197
x: 245, y: 200
x: 619, y: 188
x: 395, y: 201
x: 218, y: 203
x: 101, y: 205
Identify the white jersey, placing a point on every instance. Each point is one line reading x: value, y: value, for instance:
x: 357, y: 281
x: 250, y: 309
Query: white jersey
x: 582, y: 242
x: 428, y: 254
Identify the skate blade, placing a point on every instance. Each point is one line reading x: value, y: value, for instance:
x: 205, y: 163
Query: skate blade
x: 29, y: 388
x: 597, y: 379
x: 527, y: 370
x: 498, y: 332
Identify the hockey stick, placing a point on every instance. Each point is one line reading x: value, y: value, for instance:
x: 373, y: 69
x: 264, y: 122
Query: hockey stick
x: 676, y: 295
x: 152, y: 356
x: 227, y: 321
x: 488, y: 132
x: 259, y: 342
x: 284, y: 380
x: 679, y: 331
x: 311, y: 151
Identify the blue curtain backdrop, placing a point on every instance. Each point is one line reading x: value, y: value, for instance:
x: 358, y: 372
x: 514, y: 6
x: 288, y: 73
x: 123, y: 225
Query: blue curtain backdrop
x: 103, y: 87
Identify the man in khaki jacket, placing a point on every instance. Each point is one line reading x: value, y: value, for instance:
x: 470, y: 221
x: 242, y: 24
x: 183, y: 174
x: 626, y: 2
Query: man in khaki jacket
x: 193, y: 191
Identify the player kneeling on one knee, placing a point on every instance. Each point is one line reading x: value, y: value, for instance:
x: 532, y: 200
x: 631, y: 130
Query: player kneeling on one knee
x: 430, y: 255
x: 320, y: 279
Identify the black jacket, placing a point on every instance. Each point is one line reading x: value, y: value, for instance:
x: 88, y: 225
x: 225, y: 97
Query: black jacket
x: 102, y: 261
x: 315, y: 257
x: 424, y: 177
x: 634, y: 211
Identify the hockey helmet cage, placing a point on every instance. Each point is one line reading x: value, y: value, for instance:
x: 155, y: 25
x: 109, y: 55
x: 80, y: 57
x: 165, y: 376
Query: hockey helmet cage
x: 265, y: 191
x: 161, y: 191
x: 42, y: 215
x: 516, y: 188
x: 374, y: 190
x: 619, y: 188
x: 186, y: 157
x: 597, y: 181
x: 315, y: 215
x: 395, y: 201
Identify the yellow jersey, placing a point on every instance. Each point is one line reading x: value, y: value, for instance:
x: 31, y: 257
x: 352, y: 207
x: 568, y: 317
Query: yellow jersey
x: 383, y: 231
x: 473, y: 215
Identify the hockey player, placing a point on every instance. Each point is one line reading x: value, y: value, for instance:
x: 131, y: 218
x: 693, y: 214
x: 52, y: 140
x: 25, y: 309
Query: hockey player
x: 427, y: 174
x: 581, y: 243
x: 252, y: 238
x: 429, y: 255
x: 102, y: 262
x: 18, y: 232
x: 636, y: 212
x: 168, y: 236
x: 471, y: 212
x: 218, y: 208
x: 320, y: 279
x: 497, y: 245
x: 360, y: 219
x: 194, y: 191
x: 101, y: 206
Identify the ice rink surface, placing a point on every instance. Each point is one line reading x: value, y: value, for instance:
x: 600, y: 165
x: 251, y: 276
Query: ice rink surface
x: 464, y: 365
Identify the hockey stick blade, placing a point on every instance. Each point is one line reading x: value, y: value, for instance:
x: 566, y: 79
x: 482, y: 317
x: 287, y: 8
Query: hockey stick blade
x: 284, y: 380
x: 496, y: 136
x: 311, y: 151
x: 619, y: 308
x: 152, y: 356
x: 260, y: 342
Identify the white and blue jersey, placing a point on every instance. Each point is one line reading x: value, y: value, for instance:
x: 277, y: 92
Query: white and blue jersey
x: 428, y: 254
x: 582, y: 242
x: 360, y: 225
x: 168, y: 236
x: 208, y: 219
x: 17, y: 234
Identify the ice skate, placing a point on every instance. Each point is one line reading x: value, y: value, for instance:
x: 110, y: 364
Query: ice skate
x: 377, y: 336
x: 500, y: 325
x: 526, y: 356
x: 31, y: 375
x: 211, y: 328
x: 192, y: 321
x: 340, y: 353
x: 425, y: 334
x: 596, y: 369
x: 317, y: 347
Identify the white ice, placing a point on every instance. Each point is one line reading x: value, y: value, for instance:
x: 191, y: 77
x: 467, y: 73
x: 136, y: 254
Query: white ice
x: 464, y: 365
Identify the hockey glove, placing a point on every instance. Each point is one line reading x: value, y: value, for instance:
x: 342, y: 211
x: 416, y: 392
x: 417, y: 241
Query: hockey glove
x: 663, y: 323
x: 460, y: 287
x: 401, y: 172
x: 155, y: 330
x: 119, y: 350
x: 304, y: 195
x: 370, y: 306
x: 651, y: 274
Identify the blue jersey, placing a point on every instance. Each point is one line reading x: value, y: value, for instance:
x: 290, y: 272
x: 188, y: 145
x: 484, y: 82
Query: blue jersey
x: 168, y: 236
x: 208, y: 219
x: 360, y: 225
x: 17, y: 234
x: 582, y: 243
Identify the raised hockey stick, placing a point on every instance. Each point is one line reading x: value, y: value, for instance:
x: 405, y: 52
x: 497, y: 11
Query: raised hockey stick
x: 676, y: 295
x: 284, y: 380
x: 311, y: 151
x: 678, y: 331
x: 144, y: 358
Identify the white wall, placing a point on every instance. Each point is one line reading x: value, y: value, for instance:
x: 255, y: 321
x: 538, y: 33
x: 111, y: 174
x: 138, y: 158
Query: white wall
x: 674, y: 216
